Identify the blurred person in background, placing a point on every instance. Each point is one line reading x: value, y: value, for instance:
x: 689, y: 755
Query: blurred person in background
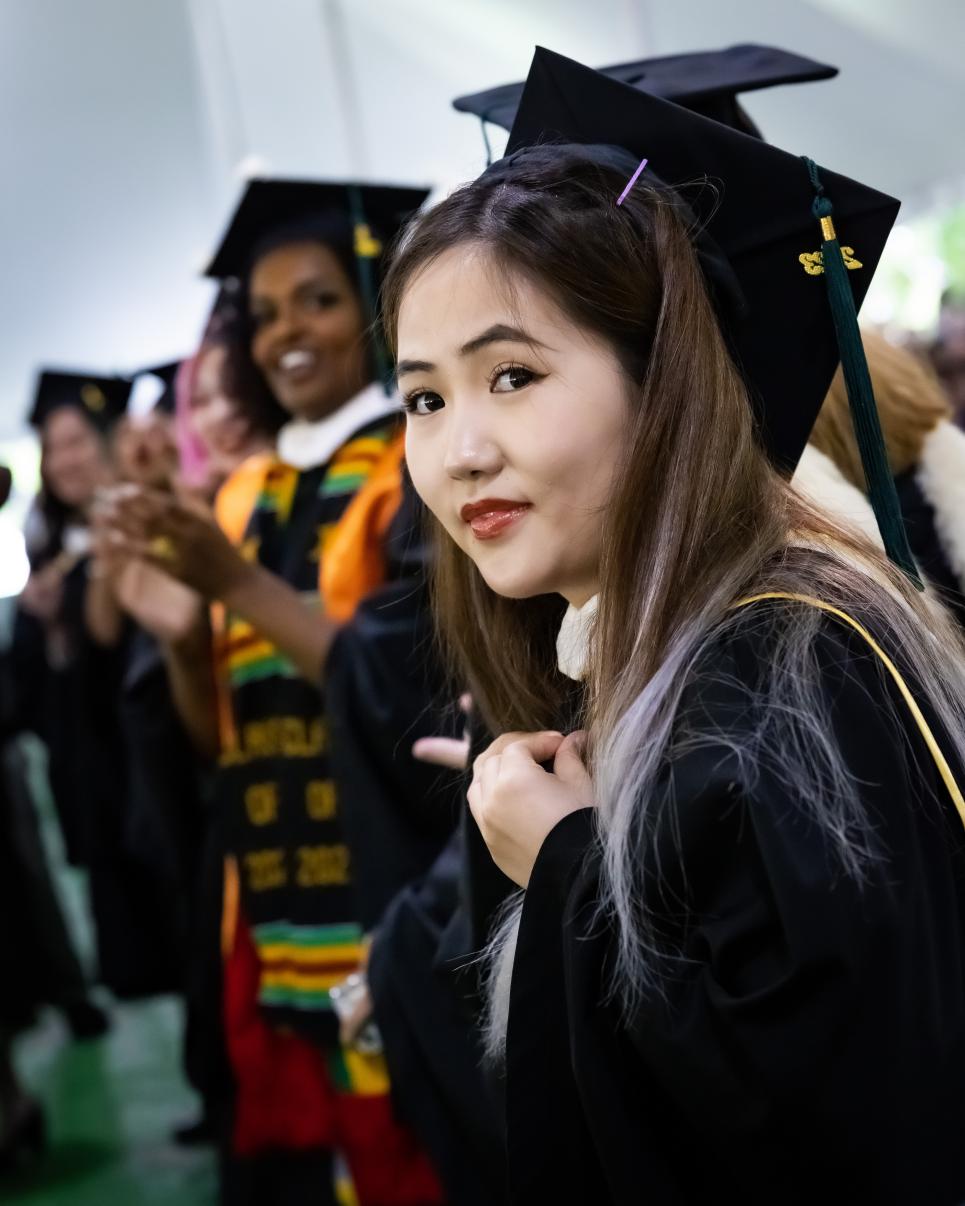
x: 197, y: 438
x: 166, y: 795
x: 221, y: 424
x: 948, y: 352
x: 926, y: 453
x: 68, y: 685
x: 26, y: 944
x: 324, y: 813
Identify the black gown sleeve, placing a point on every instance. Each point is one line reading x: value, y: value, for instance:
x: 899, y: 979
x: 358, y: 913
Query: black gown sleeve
x: 804, y: 1039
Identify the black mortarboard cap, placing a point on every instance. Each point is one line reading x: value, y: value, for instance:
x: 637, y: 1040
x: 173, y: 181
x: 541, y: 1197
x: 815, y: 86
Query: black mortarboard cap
x: 166, y: 374
x: 270, y: 205
x: 756, y: 209
x: 764, y: 217
x: 102, y: 400
x: 707, y: 82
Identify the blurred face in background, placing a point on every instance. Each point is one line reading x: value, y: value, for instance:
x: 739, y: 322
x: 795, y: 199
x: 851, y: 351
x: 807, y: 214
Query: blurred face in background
x: 73, y: 459
x: 309, y: 339
x: 145, y: 451
x: 216, y: 419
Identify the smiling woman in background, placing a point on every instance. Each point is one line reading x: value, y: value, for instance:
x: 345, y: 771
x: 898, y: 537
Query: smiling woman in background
x: 325, y: 813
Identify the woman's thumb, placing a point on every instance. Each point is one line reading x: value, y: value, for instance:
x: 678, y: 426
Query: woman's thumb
x: 568, y: 764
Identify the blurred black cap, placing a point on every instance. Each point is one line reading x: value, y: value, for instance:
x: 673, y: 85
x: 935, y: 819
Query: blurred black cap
x: 102, y: 400
x: 269, y: 206
x: 708, y: 82
x: 166, y: 374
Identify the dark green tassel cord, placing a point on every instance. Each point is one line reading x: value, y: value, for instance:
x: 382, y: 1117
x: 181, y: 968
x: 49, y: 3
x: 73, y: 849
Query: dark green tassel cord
x: 367, y: 248
x: 864, y: 411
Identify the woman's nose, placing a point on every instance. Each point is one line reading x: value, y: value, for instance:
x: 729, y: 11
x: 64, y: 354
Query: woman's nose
x: 472, y: 451
x: 285, y: 325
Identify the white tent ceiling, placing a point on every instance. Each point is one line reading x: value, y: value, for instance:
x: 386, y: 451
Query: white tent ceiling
x: 124, y: 124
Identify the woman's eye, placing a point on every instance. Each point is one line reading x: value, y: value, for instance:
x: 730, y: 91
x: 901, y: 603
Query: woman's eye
x: 259, y: 319
x: 513, y: 377
x: 423, y: 402
x: 323, y: 301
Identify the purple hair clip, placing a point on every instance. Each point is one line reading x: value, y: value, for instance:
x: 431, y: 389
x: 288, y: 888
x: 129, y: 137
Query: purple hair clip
x: 631, y: 182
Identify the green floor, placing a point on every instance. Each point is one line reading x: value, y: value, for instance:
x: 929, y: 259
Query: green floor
x: 111, y: 1104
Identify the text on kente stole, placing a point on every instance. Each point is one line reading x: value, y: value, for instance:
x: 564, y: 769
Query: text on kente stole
x: 316, y: 865
x: 278, y: 737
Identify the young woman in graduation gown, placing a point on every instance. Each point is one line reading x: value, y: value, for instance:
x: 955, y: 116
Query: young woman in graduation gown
x: 319, y: 681
x: 735, y: 968
x: 423, y: 966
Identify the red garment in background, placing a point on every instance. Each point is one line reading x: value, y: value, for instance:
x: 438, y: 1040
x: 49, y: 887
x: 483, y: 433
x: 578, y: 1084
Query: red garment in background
x: 285, y: 1099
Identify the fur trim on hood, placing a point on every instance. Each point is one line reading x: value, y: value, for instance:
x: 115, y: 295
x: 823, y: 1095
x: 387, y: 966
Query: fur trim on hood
x: 819, y: 479
x: 941, y: 477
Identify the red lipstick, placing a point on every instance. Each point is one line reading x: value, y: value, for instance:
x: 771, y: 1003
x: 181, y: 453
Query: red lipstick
x: 490, y: 517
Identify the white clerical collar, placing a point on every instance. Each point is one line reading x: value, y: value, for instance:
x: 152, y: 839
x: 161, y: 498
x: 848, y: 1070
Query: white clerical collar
x: 573, y: 641
x: 305, y: 443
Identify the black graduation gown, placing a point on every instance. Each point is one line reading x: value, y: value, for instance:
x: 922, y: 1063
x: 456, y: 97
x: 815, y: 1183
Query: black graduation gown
x: 75, y: 708
x: 384, y: 689
x: 166, y: 797
x: 424, y: 977
x: 42, y: 966
x: 810, y: 1045
x: 424, y: 984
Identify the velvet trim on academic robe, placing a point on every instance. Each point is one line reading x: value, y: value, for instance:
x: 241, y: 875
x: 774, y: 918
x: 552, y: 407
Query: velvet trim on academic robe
x: 926, y: 543
x: 809, y: 1046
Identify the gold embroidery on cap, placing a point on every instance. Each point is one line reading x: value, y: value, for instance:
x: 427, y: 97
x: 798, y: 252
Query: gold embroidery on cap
x: 813, y: 261
x: 92, y: 396
x: 367, y: 246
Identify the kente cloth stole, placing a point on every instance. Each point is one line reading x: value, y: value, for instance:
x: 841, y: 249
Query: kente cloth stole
x: 292, y: 868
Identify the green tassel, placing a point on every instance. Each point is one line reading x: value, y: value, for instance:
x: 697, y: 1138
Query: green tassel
x: 366, y: 272
x: 486, y: 142
x: 864, y: 411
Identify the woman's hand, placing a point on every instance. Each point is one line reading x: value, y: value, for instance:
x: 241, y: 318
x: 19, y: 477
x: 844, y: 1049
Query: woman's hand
x: 351, y: 1025
x: 450, y: 752
x: 176, y: 536
x: 516, y: 803
x: 170, y: 611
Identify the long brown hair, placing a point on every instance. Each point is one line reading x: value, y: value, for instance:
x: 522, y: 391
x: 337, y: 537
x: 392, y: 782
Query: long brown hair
x: 698, y: 518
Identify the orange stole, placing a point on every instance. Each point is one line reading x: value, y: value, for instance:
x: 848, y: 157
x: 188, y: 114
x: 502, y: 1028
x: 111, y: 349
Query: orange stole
x: 353, y: 564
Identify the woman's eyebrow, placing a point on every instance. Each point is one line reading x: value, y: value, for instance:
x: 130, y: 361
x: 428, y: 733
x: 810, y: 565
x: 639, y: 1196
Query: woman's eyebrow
x: 413, y: 366
x: 501, y: 332
x: 498, y: 333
